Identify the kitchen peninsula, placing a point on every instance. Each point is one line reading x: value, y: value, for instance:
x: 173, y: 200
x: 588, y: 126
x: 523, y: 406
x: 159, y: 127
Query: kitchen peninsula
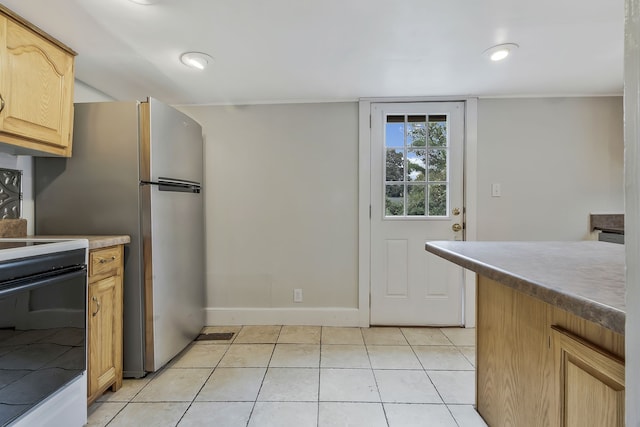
x: 550, y: 330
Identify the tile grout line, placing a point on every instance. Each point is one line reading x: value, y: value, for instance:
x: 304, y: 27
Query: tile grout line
x: 116, y: 414
x: 446, y: 404
x: 128, y: 401
x: 205, y: 381
x: 429, y: 377
x: 263, y: 377
x: 375, y: 379
x: 319, y: 377
x: 153, y: 375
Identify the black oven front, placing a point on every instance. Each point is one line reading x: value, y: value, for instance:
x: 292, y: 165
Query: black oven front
x: 42, y: 328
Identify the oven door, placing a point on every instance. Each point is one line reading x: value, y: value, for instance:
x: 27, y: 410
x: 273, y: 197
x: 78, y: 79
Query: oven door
x: 42, y: 336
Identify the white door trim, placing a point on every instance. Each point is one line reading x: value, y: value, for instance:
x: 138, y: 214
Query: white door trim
x: 364, y: 198
x: 364, y: 211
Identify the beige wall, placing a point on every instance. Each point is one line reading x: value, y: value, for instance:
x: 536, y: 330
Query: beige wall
x: 557, y: 160
x: 281, y: 204
x: 281, y: 191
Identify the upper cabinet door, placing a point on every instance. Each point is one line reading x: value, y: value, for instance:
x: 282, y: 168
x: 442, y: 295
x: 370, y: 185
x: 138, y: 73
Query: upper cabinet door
x: 36, y: 87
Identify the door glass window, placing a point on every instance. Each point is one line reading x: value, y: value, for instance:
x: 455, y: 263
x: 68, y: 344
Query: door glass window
x: 417, y: 160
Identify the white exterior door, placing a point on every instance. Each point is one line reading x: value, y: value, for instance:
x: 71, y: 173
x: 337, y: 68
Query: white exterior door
x: 416, y: 196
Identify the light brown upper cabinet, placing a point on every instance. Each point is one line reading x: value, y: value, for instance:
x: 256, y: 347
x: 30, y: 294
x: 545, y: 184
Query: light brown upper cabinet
x: 36, y: 90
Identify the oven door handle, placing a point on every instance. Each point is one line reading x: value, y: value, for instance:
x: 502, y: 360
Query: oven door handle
x: 28, y: 283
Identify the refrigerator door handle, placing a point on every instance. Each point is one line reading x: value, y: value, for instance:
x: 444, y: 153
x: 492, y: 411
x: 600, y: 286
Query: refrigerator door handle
x: 178, y: 185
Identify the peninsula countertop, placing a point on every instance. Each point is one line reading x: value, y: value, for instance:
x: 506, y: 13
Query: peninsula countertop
x: 585, y: 278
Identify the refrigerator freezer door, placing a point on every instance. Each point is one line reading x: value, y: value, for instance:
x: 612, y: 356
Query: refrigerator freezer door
x: 176, y: 144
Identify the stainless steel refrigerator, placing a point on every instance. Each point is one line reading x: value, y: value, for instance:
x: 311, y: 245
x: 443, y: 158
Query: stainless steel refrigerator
x: 137, y: 169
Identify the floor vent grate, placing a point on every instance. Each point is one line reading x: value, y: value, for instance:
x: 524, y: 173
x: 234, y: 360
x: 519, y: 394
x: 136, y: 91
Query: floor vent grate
x: 215, y: 336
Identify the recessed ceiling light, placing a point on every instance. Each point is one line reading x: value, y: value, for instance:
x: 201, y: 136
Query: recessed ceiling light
x: 197, y: 60
x: 501, y: 51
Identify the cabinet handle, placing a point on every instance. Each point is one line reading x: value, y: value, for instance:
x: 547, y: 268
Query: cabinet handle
x: 105, y: 260
x: 1, y: 103
x: 94, y: 299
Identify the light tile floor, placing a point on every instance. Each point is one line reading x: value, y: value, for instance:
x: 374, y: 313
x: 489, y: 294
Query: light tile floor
x: 306, y: 376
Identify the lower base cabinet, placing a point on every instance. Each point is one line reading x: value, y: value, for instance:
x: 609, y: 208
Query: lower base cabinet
x: 590, y: 382
x: 104, y: 311
x: 538, y: 365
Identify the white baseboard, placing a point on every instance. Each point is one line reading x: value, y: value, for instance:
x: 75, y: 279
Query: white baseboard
x: 284, y: 316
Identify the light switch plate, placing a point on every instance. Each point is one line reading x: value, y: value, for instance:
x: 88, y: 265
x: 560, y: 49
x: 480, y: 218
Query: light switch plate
x: 496, y: 190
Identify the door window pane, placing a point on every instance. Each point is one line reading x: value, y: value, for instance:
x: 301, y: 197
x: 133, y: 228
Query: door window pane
x: 437, y: 199
x: 437, y: 165
x: 437, y: 131
x: 416, y: 200
x: 394, y: 131
x: 394, y: 170
x: 416, y: 131
x: 394, y: 200
x: 416, y: 165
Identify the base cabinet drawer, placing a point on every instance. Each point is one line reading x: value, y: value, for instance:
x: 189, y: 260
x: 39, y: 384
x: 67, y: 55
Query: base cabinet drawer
x: 105, y: 261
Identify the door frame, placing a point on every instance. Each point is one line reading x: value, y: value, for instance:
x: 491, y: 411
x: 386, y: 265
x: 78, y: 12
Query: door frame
x: 470, y: 197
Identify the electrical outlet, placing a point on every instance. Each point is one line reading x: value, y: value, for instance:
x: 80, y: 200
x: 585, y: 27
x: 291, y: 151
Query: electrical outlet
x: 297, y: 295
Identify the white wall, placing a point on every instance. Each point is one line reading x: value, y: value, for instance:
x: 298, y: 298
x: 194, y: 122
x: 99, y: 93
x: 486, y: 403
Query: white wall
x: 557, y: 160
x: 281, y: 209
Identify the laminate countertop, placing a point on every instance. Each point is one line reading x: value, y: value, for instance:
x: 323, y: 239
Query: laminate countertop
x: 95, y: 242
x: 585, y: 278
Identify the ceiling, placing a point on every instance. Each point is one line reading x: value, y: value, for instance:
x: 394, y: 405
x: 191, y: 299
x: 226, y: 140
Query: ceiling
x: 269, y: 51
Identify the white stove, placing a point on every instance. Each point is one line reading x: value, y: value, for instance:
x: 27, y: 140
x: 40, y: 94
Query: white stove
x: 12, y: 248
x: 43, y: 285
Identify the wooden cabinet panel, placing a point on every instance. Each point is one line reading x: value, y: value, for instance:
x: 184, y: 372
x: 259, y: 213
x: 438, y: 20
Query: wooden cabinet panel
x: 102, y: 303
x: 590, y: 383
x: 512, y: 358
x: 104, y: 354
x: 36, y: 90
x: 538, y: 365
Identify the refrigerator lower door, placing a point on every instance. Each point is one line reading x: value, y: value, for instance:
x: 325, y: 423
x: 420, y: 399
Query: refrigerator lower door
x: 173, y: 241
